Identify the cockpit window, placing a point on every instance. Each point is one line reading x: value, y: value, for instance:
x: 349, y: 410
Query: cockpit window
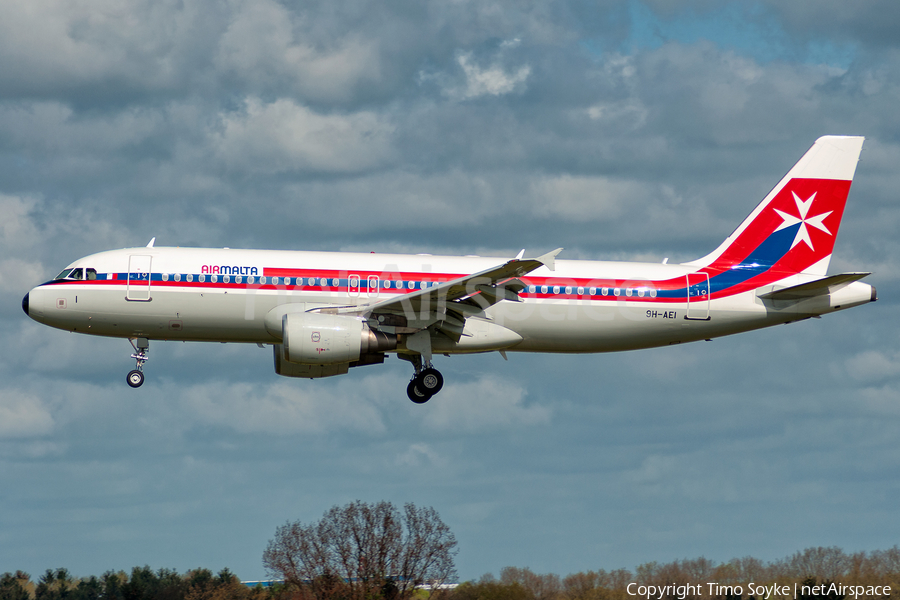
x: 78, y: 274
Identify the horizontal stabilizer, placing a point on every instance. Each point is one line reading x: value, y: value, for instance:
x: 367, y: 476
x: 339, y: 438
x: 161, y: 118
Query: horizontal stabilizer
x: 819, y: 287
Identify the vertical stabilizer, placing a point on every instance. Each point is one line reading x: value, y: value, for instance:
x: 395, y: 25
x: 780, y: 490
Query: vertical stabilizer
x: 794, y: 228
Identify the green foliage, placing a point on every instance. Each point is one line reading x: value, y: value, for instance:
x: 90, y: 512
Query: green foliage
x: 142, y: 584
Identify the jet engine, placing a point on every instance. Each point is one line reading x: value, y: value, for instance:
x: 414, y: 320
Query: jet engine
x: 311, y: 338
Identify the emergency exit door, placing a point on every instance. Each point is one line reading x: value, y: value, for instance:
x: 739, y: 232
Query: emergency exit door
x: 698, y: 296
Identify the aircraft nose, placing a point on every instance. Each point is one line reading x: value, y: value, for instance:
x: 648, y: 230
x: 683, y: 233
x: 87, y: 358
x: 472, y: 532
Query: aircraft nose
x: 25, y: 304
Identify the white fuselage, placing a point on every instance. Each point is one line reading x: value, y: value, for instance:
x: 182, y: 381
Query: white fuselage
x: 224, y: 295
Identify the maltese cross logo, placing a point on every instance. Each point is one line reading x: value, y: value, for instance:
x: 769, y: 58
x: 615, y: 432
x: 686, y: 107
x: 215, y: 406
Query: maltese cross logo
x: 803, y: 207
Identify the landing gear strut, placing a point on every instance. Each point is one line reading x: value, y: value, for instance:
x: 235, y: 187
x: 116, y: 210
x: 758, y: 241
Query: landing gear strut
x: 426, y: 382
x: 141, y: 347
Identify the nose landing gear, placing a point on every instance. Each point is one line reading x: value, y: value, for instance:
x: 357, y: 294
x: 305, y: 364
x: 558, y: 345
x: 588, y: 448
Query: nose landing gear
x: 135, y: 377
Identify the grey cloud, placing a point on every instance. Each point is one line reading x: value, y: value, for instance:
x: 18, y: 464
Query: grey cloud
x: 269, y: 48
x: 864, y: 24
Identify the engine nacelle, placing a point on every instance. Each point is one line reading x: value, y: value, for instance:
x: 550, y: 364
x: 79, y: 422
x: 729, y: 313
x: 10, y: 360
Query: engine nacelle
x: 312, y: 338
x: 289, y: 369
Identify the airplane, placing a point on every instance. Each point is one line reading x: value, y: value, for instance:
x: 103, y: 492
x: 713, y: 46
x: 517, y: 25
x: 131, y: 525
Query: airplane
x: 325, y: 312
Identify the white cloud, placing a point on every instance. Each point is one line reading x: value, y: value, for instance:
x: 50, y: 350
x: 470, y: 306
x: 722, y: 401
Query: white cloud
x: 283, y: 136
x: 23, y: 415
x: 420, y: 455
x: 18, y: 276
x: 493, y: 80
x: 281, y: 408
x: 873, y: 365
x: 284, y: 407
x: 486, y: 404
x: 489, y: 77
x: 17, y: 229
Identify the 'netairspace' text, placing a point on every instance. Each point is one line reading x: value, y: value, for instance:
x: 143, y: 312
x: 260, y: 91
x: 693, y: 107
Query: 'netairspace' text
x: 762, y: 592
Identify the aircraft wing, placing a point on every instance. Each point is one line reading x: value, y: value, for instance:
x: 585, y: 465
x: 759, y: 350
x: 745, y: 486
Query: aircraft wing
x: 494, y: 284
x: 449, y: 303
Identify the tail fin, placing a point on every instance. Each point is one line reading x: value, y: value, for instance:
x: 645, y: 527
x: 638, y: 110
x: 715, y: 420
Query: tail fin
x: 793, y: 229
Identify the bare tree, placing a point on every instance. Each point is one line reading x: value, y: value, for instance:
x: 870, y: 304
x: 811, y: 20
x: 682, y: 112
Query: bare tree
x: 362, y: 551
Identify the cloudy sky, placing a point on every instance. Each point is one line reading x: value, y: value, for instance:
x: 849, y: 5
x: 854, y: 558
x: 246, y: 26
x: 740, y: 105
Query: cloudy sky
x: 633, y: 130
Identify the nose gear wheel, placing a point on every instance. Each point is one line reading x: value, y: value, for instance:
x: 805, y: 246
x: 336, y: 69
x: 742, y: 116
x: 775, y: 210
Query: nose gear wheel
x: 135, y: 377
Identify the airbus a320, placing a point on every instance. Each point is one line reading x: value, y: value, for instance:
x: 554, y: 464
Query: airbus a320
x: 324, y: 313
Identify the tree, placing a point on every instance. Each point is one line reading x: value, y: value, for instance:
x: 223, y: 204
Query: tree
x: 540, y: 587
x: 54, y: 585
x: 11, y: 587
x: 362, y: 551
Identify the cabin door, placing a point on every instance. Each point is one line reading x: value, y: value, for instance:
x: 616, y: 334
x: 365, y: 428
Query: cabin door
x: 138, y: 286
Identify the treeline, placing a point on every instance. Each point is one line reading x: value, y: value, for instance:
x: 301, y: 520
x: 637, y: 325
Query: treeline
x: 143, y: 584
x: 861, y: 574
x: 814, y: 568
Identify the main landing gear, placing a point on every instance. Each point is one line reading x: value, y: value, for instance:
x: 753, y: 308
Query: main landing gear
x: 141, y: 347
x: 425, y: 383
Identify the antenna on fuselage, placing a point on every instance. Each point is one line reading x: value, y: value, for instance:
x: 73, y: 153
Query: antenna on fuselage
x: 152, y: 241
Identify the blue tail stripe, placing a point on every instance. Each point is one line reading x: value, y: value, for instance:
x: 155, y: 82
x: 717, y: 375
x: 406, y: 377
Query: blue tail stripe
x: 759, y: 261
